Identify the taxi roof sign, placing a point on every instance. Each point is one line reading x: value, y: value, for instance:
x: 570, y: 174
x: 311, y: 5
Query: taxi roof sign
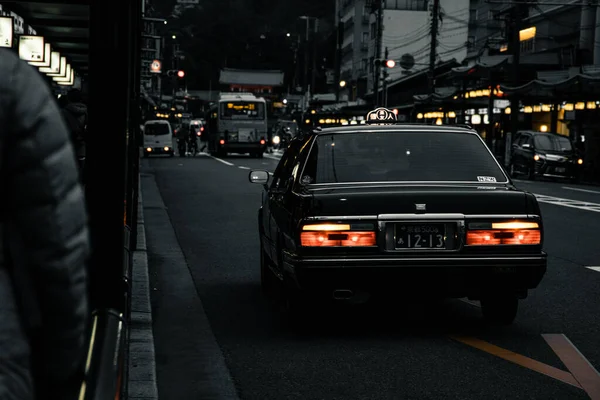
x: 381, y: 115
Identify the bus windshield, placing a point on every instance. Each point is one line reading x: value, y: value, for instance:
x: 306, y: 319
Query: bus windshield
x: 242, y: 110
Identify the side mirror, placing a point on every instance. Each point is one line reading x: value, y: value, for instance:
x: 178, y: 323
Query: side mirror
x: 258, y: 176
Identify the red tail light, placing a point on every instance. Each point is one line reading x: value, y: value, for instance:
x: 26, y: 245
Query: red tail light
x: 222, y: 141
x: 262, y: 141
x: 504, y: 233
x: 330, y: 235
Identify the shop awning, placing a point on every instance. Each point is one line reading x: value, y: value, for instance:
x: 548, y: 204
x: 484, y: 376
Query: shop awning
x: 441, y: 94
x: 576, y: 86
x: 482, y: 66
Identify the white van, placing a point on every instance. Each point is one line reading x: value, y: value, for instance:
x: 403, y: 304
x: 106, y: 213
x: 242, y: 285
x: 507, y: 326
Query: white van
x: 158, y: 138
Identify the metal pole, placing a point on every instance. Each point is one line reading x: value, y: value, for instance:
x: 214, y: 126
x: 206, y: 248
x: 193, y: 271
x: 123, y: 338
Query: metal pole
x: 338, y: 56
x: 516, y: 50
x: 432, y: 52
x: 306, y: 56
x: 314, y: 60
x: 378, y: 51
x: 385, y: 75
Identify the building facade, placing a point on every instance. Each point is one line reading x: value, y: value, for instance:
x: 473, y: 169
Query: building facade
x: 354, y: 17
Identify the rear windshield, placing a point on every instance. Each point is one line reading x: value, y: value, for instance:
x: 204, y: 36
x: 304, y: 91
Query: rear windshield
x: 552, y: 143
x: 156, y: 129
x: 400, y: 156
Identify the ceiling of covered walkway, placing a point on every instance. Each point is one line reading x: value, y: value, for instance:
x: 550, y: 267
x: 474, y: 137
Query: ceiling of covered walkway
x: 64, y: 24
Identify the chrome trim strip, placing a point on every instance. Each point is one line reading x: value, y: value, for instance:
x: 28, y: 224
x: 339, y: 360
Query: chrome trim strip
x: 502, y: 216
x: 389, y: 183
x: 419, y: 259
x: 340, y: 217
x: 424, y: 216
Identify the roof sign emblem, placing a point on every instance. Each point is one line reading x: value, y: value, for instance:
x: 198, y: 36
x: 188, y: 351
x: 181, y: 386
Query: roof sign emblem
x: 381, y: 114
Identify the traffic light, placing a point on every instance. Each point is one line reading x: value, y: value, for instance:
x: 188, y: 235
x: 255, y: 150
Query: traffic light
x: 173, y: 72
x: 390, y: 63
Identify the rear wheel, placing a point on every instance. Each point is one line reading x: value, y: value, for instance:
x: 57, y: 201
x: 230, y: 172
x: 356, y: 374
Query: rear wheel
x: 500, y: 309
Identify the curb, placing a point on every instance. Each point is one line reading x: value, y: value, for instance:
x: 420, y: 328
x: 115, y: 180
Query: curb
x: 142, y: 382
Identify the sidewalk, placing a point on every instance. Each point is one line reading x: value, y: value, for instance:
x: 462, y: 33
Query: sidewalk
x: 142, y: 383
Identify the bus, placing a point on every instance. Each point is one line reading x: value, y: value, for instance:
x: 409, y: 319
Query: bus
x: 237, y: 123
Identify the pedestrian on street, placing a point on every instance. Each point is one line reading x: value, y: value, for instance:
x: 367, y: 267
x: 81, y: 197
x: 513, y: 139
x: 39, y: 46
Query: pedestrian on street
x: 45, y: 243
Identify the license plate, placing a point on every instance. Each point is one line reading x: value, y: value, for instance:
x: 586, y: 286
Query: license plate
x: 420, y: 236
x: 560, y: 170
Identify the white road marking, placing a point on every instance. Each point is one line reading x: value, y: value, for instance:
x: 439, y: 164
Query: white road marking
x: 597, y: 269
x: 272, y: 157
x: 582, y: 190
x: 223, y: 161
x: 559, y: 201
x: 240, y: 167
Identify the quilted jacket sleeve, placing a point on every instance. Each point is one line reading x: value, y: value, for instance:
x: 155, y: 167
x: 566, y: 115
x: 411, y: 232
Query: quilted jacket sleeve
x: 45, y: 205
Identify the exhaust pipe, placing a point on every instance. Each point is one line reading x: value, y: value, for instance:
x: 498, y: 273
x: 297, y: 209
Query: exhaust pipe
x: 343, y: 294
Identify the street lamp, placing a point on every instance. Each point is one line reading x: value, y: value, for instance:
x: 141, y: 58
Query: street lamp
x: 174, y: 37
x: 342, y: 84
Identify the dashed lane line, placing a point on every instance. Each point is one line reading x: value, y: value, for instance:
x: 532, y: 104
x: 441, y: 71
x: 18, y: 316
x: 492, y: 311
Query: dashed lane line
x: 559, y: 201
x: 581, y: 190
x: 221, y: 160
x: 242, y: 167
x: 272, y: 157
x: 597, y: 269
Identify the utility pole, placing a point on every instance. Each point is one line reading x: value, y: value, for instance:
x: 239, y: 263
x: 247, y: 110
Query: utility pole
x: 314, y: 60
x: 433, y: 50
x: 306, y: 57
x: 385, y: 76
x: 338, y: 56
x: 379, y: 11
x: 517, y: 13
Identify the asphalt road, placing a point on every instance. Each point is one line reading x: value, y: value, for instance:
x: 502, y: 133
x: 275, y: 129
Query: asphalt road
x: 208, y: 308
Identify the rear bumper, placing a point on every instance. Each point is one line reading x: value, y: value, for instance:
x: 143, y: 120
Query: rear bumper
x: 243, y: 147
x: 446, y: 276
x: 551, y: 169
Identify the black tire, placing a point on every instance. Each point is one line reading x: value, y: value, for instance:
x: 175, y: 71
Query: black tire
x: 260, y: 155
x: 531, y: 173
x: 500, y: 309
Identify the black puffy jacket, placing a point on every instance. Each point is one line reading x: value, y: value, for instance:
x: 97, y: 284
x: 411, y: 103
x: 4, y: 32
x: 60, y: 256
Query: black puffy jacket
x: 44, y: 220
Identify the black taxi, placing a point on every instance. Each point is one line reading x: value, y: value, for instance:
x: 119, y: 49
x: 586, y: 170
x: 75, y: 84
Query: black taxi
x: 389, y: 209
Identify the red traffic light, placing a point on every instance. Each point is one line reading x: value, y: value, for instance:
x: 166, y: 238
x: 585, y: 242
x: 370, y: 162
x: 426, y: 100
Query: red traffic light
x: 390, y: 63
x: 180, y: 74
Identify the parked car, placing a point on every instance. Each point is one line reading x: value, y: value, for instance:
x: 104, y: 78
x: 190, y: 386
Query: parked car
x: 543, y: 154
